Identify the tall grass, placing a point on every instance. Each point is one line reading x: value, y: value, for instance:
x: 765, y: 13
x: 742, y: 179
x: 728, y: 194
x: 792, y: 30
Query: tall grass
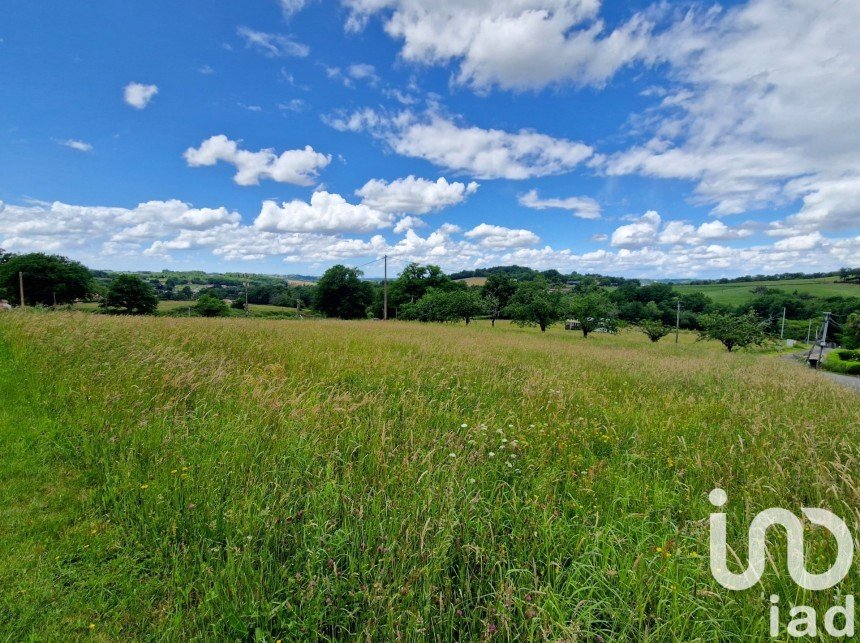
x: 321, y: 480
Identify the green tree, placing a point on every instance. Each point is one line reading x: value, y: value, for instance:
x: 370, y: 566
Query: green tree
x: 414, y: 282
x: 851, y: 331
x: 185, y: 293
x: 444, y: 306
x: 131, y: 295
x: 734, y: 331
x: 340, y: 292
x: 497, y: 292
x: 46, y: 278
x: 209, y: 306
x: 654, y: 329
x: 534, y: 305
x: 592, y: 310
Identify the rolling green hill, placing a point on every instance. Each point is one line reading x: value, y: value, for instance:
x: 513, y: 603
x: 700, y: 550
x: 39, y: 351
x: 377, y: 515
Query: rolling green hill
x: 735, y: 294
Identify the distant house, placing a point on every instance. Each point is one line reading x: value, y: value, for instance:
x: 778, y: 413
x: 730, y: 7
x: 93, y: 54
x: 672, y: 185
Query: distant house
x: 572, y: 324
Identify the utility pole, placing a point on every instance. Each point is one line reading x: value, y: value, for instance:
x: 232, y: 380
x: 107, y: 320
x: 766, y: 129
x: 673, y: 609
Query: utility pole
x: 21, y: 287
x: 821, y: 342
x: 782, y: 330
x: 809, y: 331
x: 385, y: 291
x: 678, y: 322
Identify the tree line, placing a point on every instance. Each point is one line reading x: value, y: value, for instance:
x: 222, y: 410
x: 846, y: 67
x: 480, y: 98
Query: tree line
x: 425, y: 293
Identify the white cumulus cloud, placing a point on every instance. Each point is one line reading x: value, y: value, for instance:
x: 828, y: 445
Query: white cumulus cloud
x: 414, y: 195
x: 482, y: 153
x: 495, y: 236
x: 326, y: 212
x: 514, y: 44
x: 138, y: 95
x: 298, y: 167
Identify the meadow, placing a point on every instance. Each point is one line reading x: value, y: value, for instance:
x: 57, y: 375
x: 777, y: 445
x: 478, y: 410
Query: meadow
x: 175, y: 307
x: 251, y: 480
x: 735, y: 294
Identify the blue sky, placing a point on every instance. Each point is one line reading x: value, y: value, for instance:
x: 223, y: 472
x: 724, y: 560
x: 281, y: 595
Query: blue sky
x: 285, y: 136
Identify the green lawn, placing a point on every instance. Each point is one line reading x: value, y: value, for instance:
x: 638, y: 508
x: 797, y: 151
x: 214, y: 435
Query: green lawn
x: 736, y: 294
x: 168, y: 478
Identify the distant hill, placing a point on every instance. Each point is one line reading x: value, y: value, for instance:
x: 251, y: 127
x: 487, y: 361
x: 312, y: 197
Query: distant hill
x: 736, y: 293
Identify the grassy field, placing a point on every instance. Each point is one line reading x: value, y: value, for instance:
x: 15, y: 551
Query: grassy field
x: 172, y: 306
x: 250, y: 480
x: 738, y: 293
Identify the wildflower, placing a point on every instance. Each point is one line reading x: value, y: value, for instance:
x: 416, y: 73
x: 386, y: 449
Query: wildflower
x: 452, y: 455
x: 144, y: 486
x: 183, y: 476
x: 464, y: 426
x: 471, y: 481
x: 491, y: 454
x: 92, y: 626
x: 504, y: 440
x: 173, y: 471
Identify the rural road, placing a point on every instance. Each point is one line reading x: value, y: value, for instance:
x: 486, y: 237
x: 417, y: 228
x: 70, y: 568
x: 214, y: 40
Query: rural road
x: 849, y: 381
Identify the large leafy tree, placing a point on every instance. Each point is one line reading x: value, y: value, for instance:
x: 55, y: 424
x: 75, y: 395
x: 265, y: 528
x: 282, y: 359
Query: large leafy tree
x: 497, y: 291
x: 340, y: 292
x: 132, y: 295
x: 415, y: 280
x: 593, y: 310
x: 734, y: 331
x: 534, y: 304
x: 47, y: 278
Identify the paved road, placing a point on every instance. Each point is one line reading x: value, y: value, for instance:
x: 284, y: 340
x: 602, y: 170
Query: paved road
x: 848, y: 381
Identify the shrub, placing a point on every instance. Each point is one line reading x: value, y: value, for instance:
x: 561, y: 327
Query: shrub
x: 845, y: 362
x: 654, y: 329
x: 209, y: 306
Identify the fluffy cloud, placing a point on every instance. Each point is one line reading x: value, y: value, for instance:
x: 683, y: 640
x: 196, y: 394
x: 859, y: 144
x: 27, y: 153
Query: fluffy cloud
x: 580, y: 206
x: 646, y: 231
x: 412, y: 195
x: 761, y: 111
x: 80, y: 146
x: 516, y: 44
x: 482, y: 153
x: 272, y: 45
x: 325, y: 213
x: 642, y: 232
x: 299, y: 167
x: 158, y: 231
x: 138, y: 95
x: 105, y: 230
x: 494, y: 236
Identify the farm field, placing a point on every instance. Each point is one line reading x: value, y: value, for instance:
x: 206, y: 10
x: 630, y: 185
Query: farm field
x: 735, y: 294
x: 242, y: 479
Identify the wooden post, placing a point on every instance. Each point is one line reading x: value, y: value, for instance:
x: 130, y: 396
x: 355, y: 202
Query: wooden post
x: 21, y: 288
x: 385, y: 291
